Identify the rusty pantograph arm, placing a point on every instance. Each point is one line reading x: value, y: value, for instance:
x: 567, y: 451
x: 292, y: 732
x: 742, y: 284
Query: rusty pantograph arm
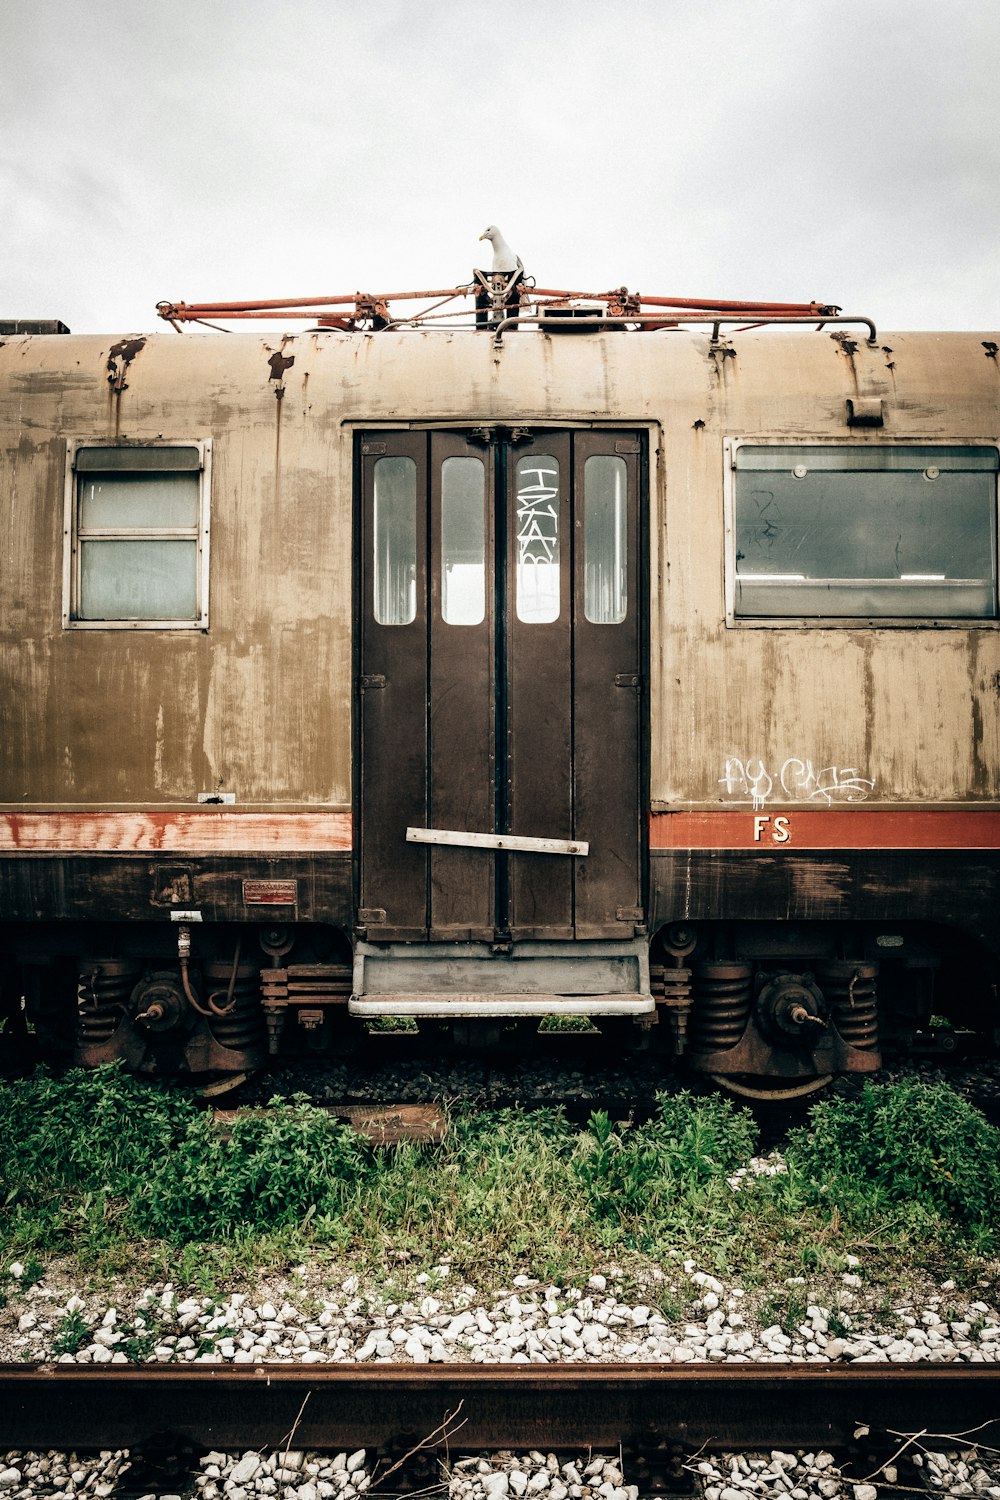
x: 367, y: 312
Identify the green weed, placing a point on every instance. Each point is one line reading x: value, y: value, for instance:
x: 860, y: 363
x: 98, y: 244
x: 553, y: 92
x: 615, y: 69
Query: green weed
x: 682, y: 1157
x: 119, y: 1172
x: 914, y: 1151
x: 785, y: 1309
x: 71, y: 1333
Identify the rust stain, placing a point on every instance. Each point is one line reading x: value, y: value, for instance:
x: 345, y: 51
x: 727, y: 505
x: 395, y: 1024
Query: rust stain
x: 126, y: 351
x: 982, y: 781
x: 848, y: 347
x: 120, y: 356
x: 208, y: 832
x: 279, y: 363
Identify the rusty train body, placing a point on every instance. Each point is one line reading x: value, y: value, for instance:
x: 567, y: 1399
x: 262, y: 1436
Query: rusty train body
x: 649, y: 677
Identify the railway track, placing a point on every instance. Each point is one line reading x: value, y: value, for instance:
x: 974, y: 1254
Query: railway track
x: 651, y: 1412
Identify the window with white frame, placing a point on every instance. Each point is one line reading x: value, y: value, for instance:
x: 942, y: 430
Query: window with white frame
x: 864, y: 532
x: 137, y: 532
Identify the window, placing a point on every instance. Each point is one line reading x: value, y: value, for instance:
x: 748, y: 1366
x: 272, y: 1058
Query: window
x: 395, y: 540
x: 837, y: 532
x: 537, y: 520
x: 605, y: 561
x: 463, y: 541
x: 137, y: 534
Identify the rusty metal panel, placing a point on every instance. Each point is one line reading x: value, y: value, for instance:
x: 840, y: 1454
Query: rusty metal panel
x: 961, y: 888
x: 260, y: 704
x: 783, y: 717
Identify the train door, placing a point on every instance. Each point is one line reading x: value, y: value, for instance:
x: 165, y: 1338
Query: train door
x: 500, y: 685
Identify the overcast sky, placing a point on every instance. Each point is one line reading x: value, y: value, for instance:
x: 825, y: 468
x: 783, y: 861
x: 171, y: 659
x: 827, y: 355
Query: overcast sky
x: 839, y: 150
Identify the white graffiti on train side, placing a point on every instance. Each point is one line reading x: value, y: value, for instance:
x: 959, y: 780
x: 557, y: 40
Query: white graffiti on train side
x: 798, y: 780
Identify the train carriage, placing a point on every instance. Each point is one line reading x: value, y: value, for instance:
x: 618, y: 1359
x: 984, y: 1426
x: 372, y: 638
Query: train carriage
x: 608, y: 670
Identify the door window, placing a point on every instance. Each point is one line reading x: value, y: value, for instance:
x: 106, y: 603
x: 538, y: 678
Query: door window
x: 605, y: 547
x: 537, y: 507
x: 463, y: 541
x: 395, y: 540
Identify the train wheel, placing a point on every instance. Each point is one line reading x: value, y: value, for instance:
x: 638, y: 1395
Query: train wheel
x: 767, y: 1092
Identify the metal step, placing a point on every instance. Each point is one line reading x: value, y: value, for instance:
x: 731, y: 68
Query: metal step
x: 528, y: 979
x: 501, y: 1005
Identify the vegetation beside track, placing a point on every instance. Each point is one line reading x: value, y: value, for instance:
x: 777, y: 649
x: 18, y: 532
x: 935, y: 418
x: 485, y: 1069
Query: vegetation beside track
x: 116, y: 1172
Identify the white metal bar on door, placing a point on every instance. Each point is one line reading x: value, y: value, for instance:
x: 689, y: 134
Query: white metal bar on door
x: 517, y: 843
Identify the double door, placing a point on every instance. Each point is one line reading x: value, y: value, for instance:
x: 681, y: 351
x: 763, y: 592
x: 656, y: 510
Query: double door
x: 500, y: 683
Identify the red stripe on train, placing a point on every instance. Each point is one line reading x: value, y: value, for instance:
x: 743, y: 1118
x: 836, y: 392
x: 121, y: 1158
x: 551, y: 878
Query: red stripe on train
x: 208, y: 832
x: 831, y: 828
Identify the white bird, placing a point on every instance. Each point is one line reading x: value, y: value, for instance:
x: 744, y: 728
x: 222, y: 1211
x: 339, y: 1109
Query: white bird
x: 504, y: 258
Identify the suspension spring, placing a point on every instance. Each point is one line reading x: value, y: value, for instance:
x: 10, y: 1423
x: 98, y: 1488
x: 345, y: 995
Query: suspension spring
x: 242, y: 1026
x: 103, y: 989
x: 850, y: 989
x: 723, y: 995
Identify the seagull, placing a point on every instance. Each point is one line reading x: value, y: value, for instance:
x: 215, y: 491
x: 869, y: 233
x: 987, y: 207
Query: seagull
x: 504, y: 258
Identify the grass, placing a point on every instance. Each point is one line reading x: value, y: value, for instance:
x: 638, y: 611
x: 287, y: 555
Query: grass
x: 94, y: 1164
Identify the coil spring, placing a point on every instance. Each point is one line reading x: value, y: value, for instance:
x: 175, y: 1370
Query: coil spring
x: 723, y: 995
x: 103, y: 989
x: 243, y: 1026
x: 850, y: 989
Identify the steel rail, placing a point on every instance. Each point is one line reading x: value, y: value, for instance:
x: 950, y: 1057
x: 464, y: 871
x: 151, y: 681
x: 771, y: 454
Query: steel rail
x: 470, y: 1407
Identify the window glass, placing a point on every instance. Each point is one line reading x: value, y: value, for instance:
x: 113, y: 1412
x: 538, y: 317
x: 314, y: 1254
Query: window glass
x: 878, y: 532
x: 463, y: 541
x: 138, y: 536
x: 163, y: 501
x: 536, y: 500
x: 138, y: 580
x: 395, y: 540
x: 605, y: 559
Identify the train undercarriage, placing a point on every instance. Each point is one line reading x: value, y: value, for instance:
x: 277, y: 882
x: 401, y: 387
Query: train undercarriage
x: 764, y: 1009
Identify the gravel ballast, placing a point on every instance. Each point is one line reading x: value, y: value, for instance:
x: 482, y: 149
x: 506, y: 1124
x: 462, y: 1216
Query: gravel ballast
x: 294, y: 1475
x: 440, y: 1320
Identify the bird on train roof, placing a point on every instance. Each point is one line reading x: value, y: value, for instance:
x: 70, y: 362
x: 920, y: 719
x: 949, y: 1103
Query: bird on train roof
x: 504, y: 258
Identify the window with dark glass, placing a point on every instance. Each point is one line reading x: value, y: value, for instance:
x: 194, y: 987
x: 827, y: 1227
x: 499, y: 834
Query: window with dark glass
x: 138, y: 529
x: 901, y: 532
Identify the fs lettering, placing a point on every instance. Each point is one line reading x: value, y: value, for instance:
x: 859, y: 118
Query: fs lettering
x: 778, y: 828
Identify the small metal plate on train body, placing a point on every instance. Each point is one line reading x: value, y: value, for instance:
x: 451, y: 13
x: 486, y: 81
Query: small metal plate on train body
x: 270, y: 892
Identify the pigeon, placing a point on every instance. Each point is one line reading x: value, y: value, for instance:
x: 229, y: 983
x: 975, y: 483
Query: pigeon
x: 504, y: 258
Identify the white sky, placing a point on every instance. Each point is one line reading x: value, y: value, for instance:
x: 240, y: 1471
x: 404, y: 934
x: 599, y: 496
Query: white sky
x: 838, y: 150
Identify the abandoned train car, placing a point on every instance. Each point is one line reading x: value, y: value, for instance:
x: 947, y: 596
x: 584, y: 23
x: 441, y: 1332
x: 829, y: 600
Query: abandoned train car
x: 652, y: 677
